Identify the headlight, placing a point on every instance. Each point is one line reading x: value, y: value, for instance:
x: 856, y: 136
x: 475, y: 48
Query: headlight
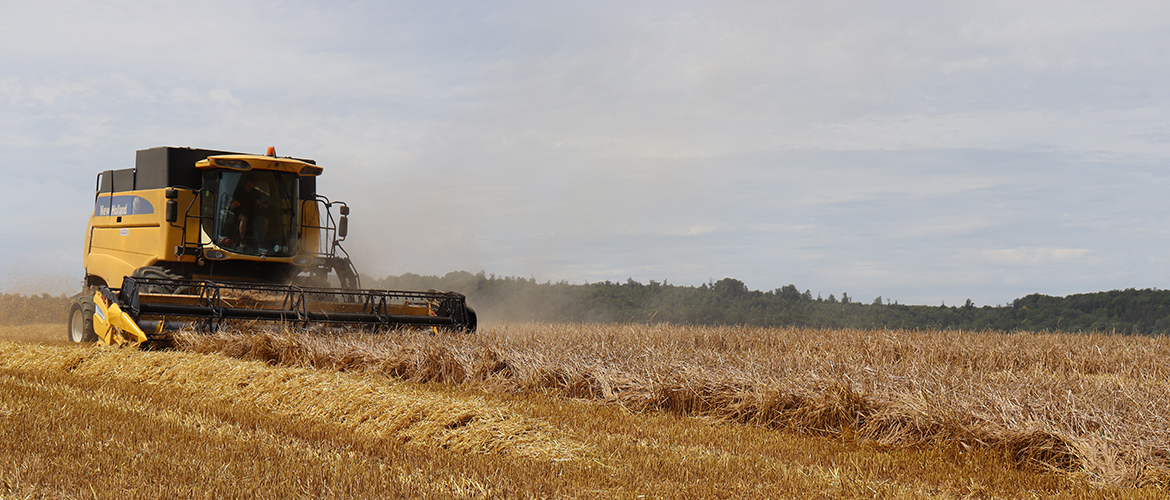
x: 215, y: 254
x: 233, y: 164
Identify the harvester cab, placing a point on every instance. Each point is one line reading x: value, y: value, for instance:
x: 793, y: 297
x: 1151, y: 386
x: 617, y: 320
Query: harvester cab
x: 200, y: 237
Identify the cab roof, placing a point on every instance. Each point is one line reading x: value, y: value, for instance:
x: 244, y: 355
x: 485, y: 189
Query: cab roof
x: 260, y: 162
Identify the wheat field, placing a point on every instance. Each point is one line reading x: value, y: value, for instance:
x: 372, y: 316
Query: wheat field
x: 584, y: 411
x: 1094, y: 406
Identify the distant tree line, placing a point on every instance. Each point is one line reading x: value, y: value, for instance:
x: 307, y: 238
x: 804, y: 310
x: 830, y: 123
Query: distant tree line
x: 728, y: 301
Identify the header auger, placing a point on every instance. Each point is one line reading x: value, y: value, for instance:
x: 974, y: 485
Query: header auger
x: 200, y: 238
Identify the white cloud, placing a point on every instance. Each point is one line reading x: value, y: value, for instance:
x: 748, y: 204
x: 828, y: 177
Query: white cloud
x: 916, y: 150
x: 1034, y: 256
x: 698, y: 229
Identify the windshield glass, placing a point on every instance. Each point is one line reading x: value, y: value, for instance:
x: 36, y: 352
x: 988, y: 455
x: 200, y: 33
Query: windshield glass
x: 252, y: 212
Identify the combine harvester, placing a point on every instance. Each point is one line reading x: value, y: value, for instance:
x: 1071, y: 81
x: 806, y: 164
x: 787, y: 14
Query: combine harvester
x: 198, y: 238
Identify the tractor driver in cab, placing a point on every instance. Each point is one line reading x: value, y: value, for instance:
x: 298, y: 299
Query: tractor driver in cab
x: 249, y: 206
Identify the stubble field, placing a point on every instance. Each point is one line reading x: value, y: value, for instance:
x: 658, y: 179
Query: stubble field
x: 588, y: 411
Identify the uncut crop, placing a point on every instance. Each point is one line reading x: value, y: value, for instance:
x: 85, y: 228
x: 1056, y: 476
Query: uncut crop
x: 1093, y: 406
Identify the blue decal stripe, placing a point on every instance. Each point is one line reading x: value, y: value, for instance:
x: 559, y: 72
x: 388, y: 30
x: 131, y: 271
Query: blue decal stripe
x: 126, y: 204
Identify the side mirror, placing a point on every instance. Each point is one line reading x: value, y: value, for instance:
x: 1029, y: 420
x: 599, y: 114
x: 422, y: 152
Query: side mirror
x: 342, y: 227
x: 172, y: 205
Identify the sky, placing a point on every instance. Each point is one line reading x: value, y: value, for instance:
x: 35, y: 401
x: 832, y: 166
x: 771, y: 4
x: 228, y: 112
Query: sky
x: 925, y: 152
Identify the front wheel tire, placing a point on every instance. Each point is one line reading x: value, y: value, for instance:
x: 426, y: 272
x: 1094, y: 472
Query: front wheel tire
x: 472, y: 320
x: 81, y: 322
x: 156, y: 272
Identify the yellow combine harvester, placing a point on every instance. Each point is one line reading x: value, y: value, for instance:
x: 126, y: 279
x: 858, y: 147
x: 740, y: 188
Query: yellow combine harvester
x: 194, y: 237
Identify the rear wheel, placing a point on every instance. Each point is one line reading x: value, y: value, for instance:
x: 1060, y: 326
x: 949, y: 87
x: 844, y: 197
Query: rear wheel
x: 81, y: 321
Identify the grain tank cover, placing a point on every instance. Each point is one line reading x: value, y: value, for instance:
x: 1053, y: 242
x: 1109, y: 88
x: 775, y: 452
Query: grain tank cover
x: 162, y: 167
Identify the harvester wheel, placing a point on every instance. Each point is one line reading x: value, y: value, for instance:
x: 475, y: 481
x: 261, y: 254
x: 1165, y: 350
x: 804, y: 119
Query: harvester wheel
x: 472, y: 320
x: 157, y: 272
x: 81, y: 321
